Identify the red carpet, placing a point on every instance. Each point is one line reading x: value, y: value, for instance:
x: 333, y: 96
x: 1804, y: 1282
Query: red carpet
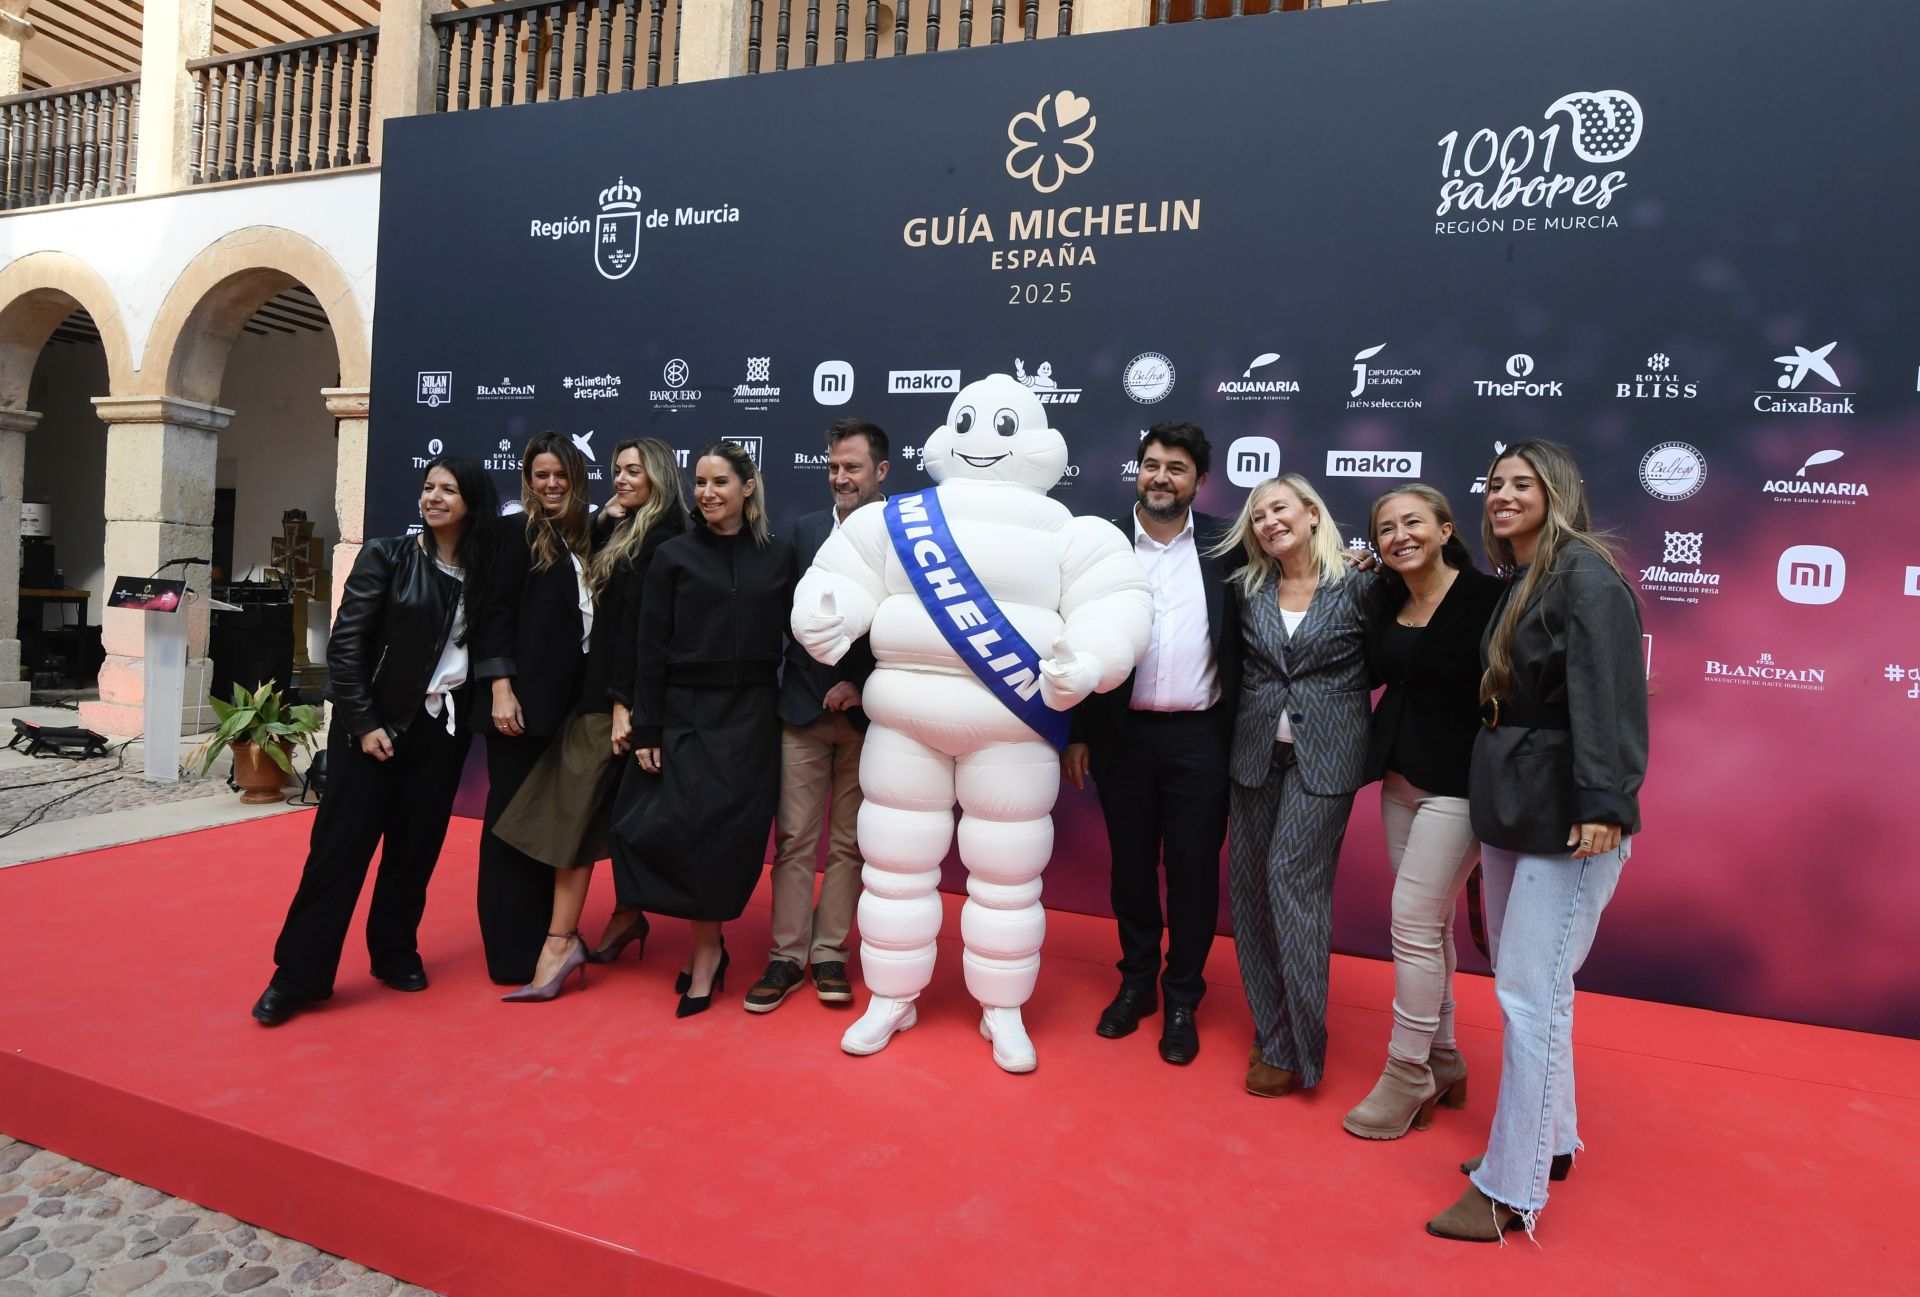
x: 596, y: 1145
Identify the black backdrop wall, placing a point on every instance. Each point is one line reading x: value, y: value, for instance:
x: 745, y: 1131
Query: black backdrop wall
x: 1366, y: 244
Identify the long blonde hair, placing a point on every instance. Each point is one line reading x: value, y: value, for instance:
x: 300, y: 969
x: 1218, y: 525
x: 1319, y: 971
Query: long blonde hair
x: 754, y: 510
x: 666, y: 499
x: 571, y: 532
x: 1260, y: 566
x: 1567, y: 522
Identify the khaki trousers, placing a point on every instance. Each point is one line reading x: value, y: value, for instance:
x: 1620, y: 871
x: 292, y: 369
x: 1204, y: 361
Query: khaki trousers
x: 819, y: 764
x: 1431, y: 847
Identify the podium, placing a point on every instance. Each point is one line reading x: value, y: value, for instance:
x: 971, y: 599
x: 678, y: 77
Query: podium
x: 161, y: 601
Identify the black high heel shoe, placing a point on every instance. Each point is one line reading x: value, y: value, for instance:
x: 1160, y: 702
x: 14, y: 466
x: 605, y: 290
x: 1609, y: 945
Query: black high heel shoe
x: 692, y: 1004
x: 684, y: 982
x: 635, y: 931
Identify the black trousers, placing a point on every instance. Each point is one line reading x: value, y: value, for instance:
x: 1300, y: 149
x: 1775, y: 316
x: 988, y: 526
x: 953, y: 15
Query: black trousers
x: 515, y: 896
x: 400, y: 805
x: 1163, y: 791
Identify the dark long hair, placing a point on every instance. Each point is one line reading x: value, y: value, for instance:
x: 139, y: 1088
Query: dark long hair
x: 571, y: 532
x: 474, y: 550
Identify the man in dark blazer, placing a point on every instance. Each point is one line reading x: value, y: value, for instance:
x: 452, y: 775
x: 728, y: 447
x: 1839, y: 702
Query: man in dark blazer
x: 1157, y: 746
x: 821, y: 728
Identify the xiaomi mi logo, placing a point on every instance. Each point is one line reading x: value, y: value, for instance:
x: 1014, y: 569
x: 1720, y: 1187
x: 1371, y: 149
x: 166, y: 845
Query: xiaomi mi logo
x: 1811, y: 574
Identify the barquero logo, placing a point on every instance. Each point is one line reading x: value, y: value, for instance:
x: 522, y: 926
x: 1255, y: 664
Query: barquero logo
x: 616, y: 230
x: 1046, y: 146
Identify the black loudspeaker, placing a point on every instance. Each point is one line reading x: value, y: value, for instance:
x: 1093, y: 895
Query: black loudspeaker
x: 250, y: 647
x: 36, y: 563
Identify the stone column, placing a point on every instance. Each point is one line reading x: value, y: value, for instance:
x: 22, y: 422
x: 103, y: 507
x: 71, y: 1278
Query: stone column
x: 15, y: 31
x: 14, y: 427
x: 1110, y: 15
x: 172, y: 31
x: 159, y: 507
x: 403, y: 73
x: 349, y: 406
x: 713, y: 39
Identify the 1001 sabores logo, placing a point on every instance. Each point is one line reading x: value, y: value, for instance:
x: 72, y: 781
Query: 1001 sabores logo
x: 1493, y: 183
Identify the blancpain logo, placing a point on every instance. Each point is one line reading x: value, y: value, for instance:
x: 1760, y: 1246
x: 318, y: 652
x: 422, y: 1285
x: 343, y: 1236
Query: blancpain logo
x: 1818, y: 489
x: 592, y: 387
x: 1265, y: 387
x: 801, y: 459
x: 1765, y: 673
x: 1380, y: 380
x: 1787, y: 397
x: 504, y: 390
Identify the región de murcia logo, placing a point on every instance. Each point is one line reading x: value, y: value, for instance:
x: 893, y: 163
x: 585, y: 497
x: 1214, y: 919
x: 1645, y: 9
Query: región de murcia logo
x: 616, y: 227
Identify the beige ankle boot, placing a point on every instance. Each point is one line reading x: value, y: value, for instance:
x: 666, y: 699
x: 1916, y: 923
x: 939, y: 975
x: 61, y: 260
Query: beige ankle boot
x: 1449, y: 1077
x: 1402, y: 1097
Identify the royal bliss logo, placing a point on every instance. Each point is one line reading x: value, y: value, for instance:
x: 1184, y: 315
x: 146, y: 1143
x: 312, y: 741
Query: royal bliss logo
x: 592, y: 387
x: 1378, y: 387
x: 1656, y: 381
x: 1673, y: 470
x: 1492, y: 183
x: 616, y: 226
x: 1765, y: 673
x: 1677, y: 577
x: 504, y: 390
x: 433, y: 387
x: 759, y: 391
x: 1518, y: 382
x: 1255, y: 385
x: 1823, y: 487
x: 1042, y: 384
x: 1786, y: 396
x: 502, y: 459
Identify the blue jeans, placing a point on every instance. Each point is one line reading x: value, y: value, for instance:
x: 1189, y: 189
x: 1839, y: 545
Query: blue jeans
x: 1542, y: 912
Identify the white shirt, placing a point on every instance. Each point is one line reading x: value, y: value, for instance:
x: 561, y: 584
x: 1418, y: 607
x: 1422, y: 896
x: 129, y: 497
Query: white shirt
x: 1292, y: 622
x: 586, y: 602
x: 1178, y: 673
x: 451, y: 672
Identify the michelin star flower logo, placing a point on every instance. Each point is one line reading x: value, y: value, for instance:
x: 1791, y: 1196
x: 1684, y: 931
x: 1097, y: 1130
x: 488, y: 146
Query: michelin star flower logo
x: 1045, y: 152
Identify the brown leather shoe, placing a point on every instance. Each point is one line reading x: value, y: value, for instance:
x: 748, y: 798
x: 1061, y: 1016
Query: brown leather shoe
x: 1449, y: 1077
x: 1476, y: 1218
x: 1270, y: 1082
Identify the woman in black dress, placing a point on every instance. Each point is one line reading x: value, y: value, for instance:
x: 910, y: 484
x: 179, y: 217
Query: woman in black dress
x: 692, y: 816
x: 559, y: 816
x: 532, y: 651
x: 397, y: 669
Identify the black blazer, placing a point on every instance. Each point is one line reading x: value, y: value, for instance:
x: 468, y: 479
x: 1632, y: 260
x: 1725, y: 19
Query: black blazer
x: 804, y: 682
x: 612, y: 660
x: 1101, y: 719
x: 395, y: 615
x: 1425, y: 722
x: 1576, y: 646
x: 531, y: 632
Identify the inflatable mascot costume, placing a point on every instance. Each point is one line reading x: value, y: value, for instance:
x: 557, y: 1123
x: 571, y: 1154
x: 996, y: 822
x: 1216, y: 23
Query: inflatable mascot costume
x: 959, y: 586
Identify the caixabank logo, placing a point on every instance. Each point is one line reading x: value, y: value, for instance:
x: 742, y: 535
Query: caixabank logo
x: 620, y: 223
x: 1521, y: 178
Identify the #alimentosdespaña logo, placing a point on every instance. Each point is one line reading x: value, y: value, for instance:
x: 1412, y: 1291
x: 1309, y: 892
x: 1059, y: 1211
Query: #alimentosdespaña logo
x: 616, y: 227
x: 1561, y: 176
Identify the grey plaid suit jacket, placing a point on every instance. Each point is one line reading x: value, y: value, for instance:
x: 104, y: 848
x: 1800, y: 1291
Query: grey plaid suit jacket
x: 1318, y: 677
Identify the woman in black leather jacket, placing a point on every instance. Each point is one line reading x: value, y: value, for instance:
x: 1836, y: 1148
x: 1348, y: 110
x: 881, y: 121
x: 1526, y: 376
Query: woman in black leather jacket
x: 397, y: 663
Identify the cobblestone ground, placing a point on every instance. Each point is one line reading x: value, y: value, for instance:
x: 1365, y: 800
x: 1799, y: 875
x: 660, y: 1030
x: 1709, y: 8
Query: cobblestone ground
x: 68, y: 1229
x: 96, y: 787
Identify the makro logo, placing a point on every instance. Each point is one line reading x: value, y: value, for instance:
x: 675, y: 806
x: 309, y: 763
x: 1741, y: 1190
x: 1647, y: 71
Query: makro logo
x: 912, y: 382
x: 833, y: 382
x: 1518, y: 381
x: 433, y: 387
x: 1041, y: 383
x: 1252, y: 460
x: 1819, y: 489
x: 1811, y: 574
x: 1380, y: 379
x: 1786, y: 396
x: 1373, y: 463
x: 1264, y: 387
x: 1492, y: 171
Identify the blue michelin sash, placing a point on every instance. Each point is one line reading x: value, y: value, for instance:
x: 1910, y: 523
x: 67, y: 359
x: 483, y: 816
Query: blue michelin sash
x: 968, y: 618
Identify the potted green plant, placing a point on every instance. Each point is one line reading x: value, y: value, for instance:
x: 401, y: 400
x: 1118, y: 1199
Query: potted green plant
x: 262, y: 731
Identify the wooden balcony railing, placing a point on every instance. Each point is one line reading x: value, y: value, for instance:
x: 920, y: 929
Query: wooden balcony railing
x: 539, y: 50
x: 303, y: 106
x: 891, y: 28
x: 73, y: 143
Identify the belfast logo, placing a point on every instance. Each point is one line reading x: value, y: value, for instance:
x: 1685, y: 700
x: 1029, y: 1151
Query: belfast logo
x: 1253, y: 385
x: 913, y: 382
x: 1673, y: 470
x: 1764, y: 672
x: 1373, y: 463
x: 616, y: 230
x: 1668, y: 578
x: 1820, y: 488
x: 1380, y: 380
x: 433, y: 387
x: 759, y: 391
x: 1049, y: 143
x: 504, y: 390
x: 1656, y: 381
x: 1148, y: 377
x: 1811, y: 574
x: 1786, y: 396
x: 1519, y: 380
x: 1252, y: 460
x: 1041, y: 383
x: 1528, y: 169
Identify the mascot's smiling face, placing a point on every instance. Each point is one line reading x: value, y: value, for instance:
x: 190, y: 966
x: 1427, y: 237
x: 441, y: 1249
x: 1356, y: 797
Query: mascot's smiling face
x: 996, y: 431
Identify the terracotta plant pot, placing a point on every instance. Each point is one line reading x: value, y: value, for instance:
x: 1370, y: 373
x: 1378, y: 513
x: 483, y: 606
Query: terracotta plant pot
x: 260, y: 780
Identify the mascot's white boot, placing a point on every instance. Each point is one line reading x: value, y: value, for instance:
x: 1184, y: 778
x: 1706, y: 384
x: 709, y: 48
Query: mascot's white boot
x: 957, y: 713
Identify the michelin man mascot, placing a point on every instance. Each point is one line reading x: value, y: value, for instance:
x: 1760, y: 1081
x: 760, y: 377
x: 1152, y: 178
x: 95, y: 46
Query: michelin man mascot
x: 960, y: 586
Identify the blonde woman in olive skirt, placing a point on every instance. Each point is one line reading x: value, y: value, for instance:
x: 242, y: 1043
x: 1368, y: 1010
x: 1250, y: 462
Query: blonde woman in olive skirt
x: 559, y: 816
